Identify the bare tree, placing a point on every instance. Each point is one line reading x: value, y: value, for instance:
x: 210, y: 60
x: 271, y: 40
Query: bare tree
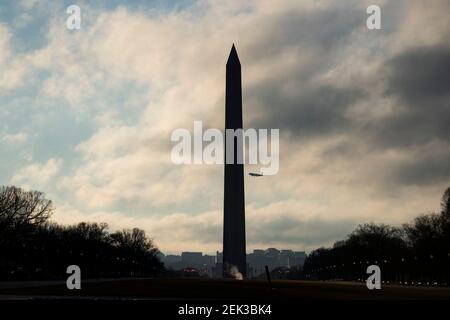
x: 445, y: 203
x: 20, y: 208
x: 134, y: 239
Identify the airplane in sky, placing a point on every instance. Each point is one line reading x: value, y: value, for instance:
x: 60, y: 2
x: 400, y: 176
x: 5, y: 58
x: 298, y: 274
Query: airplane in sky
x: 255, y: 174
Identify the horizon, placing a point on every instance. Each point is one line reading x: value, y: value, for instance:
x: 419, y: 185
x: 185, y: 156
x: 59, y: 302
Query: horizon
x: 248, y: 252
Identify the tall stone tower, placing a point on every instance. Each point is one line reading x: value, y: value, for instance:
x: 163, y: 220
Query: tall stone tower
x: 234, y: 253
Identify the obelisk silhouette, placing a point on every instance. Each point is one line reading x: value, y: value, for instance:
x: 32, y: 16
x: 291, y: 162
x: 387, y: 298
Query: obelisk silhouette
x: 234, y: 253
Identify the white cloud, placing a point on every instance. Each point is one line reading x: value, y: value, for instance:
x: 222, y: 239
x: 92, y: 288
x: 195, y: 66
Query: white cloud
x: 12, y: 68
x: 5, y: 37
x: 28, y: 4
x: 36, y: 175
x: 15, y: 138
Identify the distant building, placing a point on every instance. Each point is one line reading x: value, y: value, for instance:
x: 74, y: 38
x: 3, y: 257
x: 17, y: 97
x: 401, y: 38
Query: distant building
x: 299, y: 258
x: 273, y: 258
x: 219, y: 257
x: 171, y: 259
x: 211, y: 265
x: 208, y: 260
x: 217, y: 270
x: 191, y: 258
x: 286, y: 257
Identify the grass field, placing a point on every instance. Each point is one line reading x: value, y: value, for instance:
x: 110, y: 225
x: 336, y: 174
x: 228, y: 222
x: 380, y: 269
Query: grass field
x: 191, y: 288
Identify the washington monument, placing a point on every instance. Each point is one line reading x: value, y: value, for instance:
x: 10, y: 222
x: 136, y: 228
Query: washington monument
x: 234, y: 253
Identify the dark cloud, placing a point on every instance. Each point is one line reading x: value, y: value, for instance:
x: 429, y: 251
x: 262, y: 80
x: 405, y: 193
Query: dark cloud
x: 295, y: 231
x: 311, y: 111
x: 419, y: 82
x: 420, y: 75
x: 428, y: 169
x: 308, y: 109
x: 340, y: 150
x: 321, y: 31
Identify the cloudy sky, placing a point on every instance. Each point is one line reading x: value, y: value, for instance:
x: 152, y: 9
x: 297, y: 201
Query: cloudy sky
x: 86, y: 115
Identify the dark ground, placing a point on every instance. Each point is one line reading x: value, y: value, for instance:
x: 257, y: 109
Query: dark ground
x: 190, y: 288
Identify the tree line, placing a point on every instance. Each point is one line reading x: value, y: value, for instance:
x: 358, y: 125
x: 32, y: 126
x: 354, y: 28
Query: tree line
x: 33, y: 247
x: 416, y: 253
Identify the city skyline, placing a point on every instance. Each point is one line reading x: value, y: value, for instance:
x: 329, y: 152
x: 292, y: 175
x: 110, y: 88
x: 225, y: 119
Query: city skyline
x: 257, y: 260
x: 211, y: 253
